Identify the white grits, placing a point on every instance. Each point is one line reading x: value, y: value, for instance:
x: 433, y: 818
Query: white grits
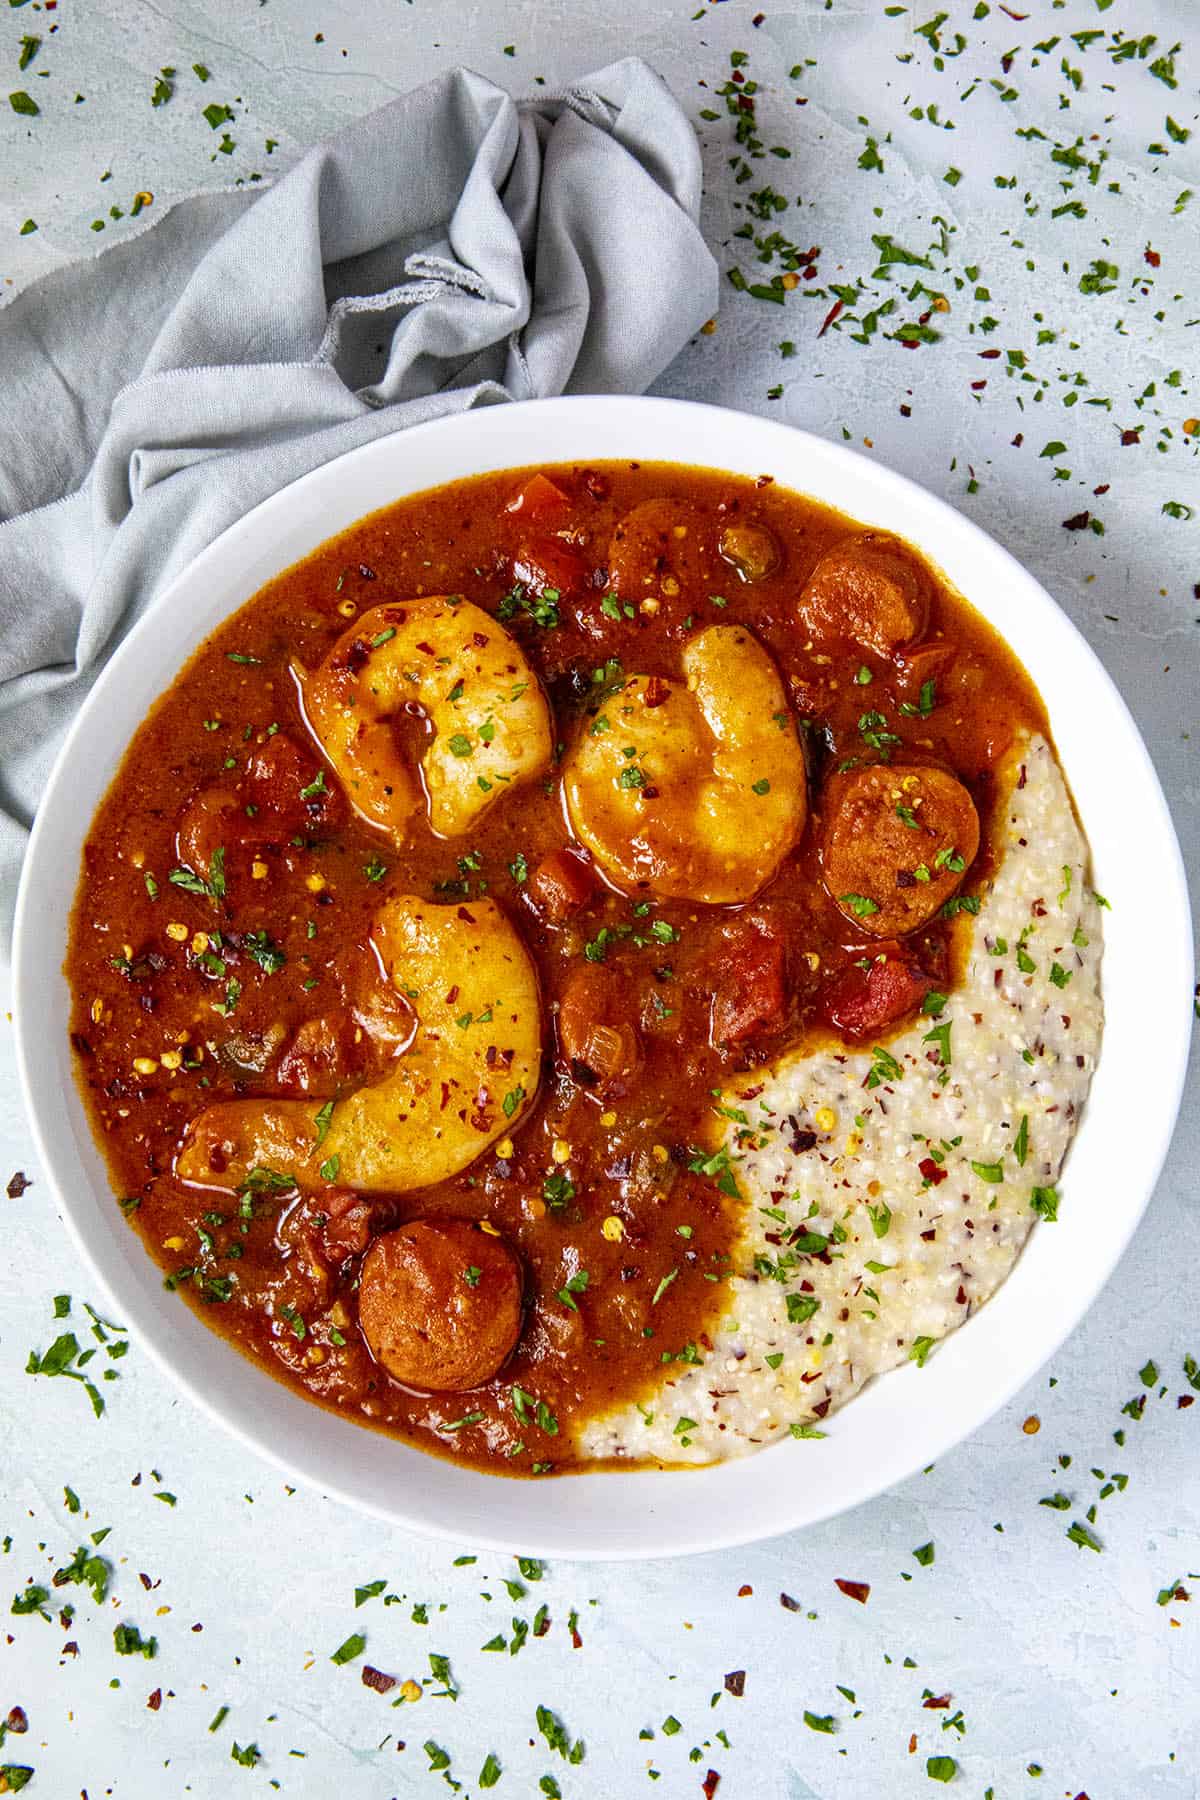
x: 1023, y: 1045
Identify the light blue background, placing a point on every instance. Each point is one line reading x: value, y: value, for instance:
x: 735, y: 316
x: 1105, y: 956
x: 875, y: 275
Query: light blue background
x: 1057, y: 1657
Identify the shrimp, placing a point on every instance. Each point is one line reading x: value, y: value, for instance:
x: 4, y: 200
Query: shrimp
x: 694, y: 789
x: 447, y: 663
x: 463, y: 1077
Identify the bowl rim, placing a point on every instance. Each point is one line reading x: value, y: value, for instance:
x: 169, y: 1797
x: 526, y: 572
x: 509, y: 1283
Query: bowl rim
x: 63, y: 1155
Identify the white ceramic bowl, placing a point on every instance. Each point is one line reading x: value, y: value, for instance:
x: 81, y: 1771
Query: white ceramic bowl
x: 900, y: 1422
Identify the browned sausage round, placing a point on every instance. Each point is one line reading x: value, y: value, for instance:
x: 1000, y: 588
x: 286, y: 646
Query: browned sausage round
x: 439, y: 1304
x: 596, y: 1029
x: 871, y: 589
x: 657, y: 553
x: 896, y: 843
x: 752, y: 550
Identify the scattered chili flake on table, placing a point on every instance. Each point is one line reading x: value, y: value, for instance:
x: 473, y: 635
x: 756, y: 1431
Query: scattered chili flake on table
x: 18, y: 1184
x: 856, y: 1590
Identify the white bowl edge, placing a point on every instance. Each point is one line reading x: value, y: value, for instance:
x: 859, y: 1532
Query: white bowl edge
x: 900, y: 1422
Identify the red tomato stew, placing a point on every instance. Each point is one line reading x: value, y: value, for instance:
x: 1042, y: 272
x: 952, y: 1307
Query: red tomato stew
x: 456, y: 871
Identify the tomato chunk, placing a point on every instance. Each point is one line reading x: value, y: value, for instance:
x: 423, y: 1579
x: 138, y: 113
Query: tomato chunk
x: 859, y: 1002
x: 562, y: 883
x: 540, y: 502
x: 287, y: 781
x: 597, y: 1036
x: 750, y: 992
x: 547, y: 563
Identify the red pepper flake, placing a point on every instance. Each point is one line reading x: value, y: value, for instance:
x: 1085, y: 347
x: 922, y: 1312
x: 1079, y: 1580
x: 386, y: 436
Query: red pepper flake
x: 1152, y: 257
x: 1102, y: 489
x: 735, y: 1683
x: 745, y: 1591
x: 576, y: 1640
x: 1077, y: 522
x: 933, y: 1172
x: 788, y: 1604
x: 976, y: 385
x: 155, y: 1700
x: 542, y: 1626
x: 710, y: 1784
x: 1185, y: 1400
x: 18, y: 1184
x: 912, y: 1744
x: 1019, y: 17
x: 857, y: 1590
x: 1132, y: 436
x: 935, y: 1702
x: 988, y: 355
x: 376, y: 1679
x: 16, y: 1721
x: 834, y: 312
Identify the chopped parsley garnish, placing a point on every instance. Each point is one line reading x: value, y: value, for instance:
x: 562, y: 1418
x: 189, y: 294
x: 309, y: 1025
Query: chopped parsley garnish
x: 1020, y: 1147
x: 884, y: 1067
x: 269, y: 957
x: 991, y: 1172
x: 541, y: 609
x: 128, y: 1641
x: 1044, y: 1201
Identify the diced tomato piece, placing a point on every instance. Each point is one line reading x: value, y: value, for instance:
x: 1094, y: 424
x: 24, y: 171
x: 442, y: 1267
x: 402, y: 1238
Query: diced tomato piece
x: 547, y: 562
x: 344, y: 1223
x: 279, y: 779
x: 919, y: 664
x: 858, y: 1001
x: 750, y: 992
x: 540, y: 502
x: 562, y: 883
x: 596, y: 1031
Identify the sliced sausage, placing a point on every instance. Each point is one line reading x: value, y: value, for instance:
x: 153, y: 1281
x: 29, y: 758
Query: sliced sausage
x: 749, y: 991
x: 657, y: 552
x: 871, y: 589
x: 896, y: 843
x: 439, y: 1304
x: 859, y: 1002
x: 596, y: 1033
x: 751, y: 549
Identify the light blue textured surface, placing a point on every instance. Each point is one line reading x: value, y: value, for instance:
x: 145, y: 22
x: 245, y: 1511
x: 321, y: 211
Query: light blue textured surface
x: 1057, y: 1656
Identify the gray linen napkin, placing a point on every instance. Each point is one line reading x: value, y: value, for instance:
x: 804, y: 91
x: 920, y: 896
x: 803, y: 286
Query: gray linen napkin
x: 455, y: 248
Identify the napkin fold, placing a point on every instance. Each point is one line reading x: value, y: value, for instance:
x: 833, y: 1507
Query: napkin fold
x: 455, y: 248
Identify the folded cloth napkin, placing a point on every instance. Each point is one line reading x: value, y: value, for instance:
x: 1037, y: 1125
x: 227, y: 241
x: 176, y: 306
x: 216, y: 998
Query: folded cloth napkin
x: 455, y: 248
